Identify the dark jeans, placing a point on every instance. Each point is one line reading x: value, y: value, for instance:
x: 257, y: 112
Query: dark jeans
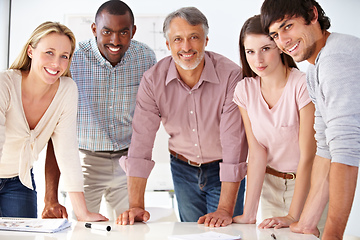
x: 197, y: 189
x: 16, y: 200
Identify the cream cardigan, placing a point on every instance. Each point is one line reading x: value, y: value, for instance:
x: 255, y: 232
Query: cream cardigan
x: 20, y: 146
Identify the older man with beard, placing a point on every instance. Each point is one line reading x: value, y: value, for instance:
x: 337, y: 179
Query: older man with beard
x: 191, y: 93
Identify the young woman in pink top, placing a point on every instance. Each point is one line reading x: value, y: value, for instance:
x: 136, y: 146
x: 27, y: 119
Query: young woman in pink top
x: 278, y: 116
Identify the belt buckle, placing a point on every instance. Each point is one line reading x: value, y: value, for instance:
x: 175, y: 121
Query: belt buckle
x: 293, y: 176
x: 194, y: 165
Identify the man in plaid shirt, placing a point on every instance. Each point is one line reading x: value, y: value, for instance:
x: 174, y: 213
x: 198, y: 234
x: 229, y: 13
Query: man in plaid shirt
x: 108, y: 69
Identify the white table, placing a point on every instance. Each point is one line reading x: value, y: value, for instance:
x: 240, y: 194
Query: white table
x: 154, y: 231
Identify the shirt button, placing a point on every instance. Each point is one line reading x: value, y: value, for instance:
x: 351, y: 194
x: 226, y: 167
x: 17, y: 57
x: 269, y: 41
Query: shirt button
x: 198, y: 156
x: 190, y: 92
x: 191, y: 112
x: 195, y: 144
x: 194, y: 130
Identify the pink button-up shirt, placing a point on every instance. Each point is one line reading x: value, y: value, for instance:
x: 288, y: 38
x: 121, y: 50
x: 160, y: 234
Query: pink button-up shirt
x: 203, y: 122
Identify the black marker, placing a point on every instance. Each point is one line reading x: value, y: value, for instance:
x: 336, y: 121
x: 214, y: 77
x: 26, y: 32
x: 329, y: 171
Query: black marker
x: 273, y: 236
x: 98, y: 226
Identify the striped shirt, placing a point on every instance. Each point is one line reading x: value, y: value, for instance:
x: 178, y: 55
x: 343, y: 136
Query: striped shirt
x: 107, y: 94
x: 203, y: 122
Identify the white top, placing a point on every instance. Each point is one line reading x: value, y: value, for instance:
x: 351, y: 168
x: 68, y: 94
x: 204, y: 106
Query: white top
x: 20, y: 146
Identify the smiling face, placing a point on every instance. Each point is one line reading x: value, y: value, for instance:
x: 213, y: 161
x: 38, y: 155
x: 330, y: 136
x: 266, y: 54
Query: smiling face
x: 262, y: 54
x: 50, y: 58
x: 187, y: 44
x: 296, y: 38
x: 113, y: 35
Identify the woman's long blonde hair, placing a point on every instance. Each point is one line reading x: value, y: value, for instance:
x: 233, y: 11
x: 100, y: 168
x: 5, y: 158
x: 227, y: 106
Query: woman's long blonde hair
x: 23, y: 61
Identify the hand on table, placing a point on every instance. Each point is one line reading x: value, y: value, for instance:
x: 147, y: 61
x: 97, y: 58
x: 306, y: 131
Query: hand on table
x: 133, y: 215
x: 91, y: 217
x: 297, y: 227
x: 54, y: 210
x: 243, y: 219
x: 219, y: 218
x: 277, y: 222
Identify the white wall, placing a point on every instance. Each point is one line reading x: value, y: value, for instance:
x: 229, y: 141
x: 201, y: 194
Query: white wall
x: 225, y: 19
x: 4, y: 32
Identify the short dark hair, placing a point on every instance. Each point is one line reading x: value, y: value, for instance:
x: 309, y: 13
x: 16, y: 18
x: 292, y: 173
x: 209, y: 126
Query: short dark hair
x: 115, y: 7
x: 253, y: 26
x: 277, y: 10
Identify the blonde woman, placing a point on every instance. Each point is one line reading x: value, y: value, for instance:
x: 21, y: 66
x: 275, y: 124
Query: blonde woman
x: 38, y: 102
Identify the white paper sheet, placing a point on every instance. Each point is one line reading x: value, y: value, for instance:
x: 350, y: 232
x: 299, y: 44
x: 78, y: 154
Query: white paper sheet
x: 34, y: 225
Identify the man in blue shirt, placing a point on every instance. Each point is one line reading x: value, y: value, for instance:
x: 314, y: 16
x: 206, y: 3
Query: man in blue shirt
x: 108, y: 69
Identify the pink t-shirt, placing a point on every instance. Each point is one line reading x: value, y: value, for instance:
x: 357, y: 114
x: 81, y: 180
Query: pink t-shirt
x: 276, y: 129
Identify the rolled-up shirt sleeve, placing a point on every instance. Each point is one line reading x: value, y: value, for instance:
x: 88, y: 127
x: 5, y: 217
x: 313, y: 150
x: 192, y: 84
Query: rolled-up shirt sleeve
x: 232, y: 136
x: 340, y: 99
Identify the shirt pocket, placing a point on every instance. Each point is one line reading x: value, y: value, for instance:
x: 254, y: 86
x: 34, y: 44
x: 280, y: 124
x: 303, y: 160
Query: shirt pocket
x: 288, y: 134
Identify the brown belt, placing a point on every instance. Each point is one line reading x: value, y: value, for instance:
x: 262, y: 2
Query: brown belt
x: 283, y: 175
x: 191, y: 163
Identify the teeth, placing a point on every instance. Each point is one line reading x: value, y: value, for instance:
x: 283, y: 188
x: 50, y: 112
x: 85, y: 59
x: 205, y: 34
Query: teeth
x: 114, y: 49
x: 292, y: 49
x: 51, y: 71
